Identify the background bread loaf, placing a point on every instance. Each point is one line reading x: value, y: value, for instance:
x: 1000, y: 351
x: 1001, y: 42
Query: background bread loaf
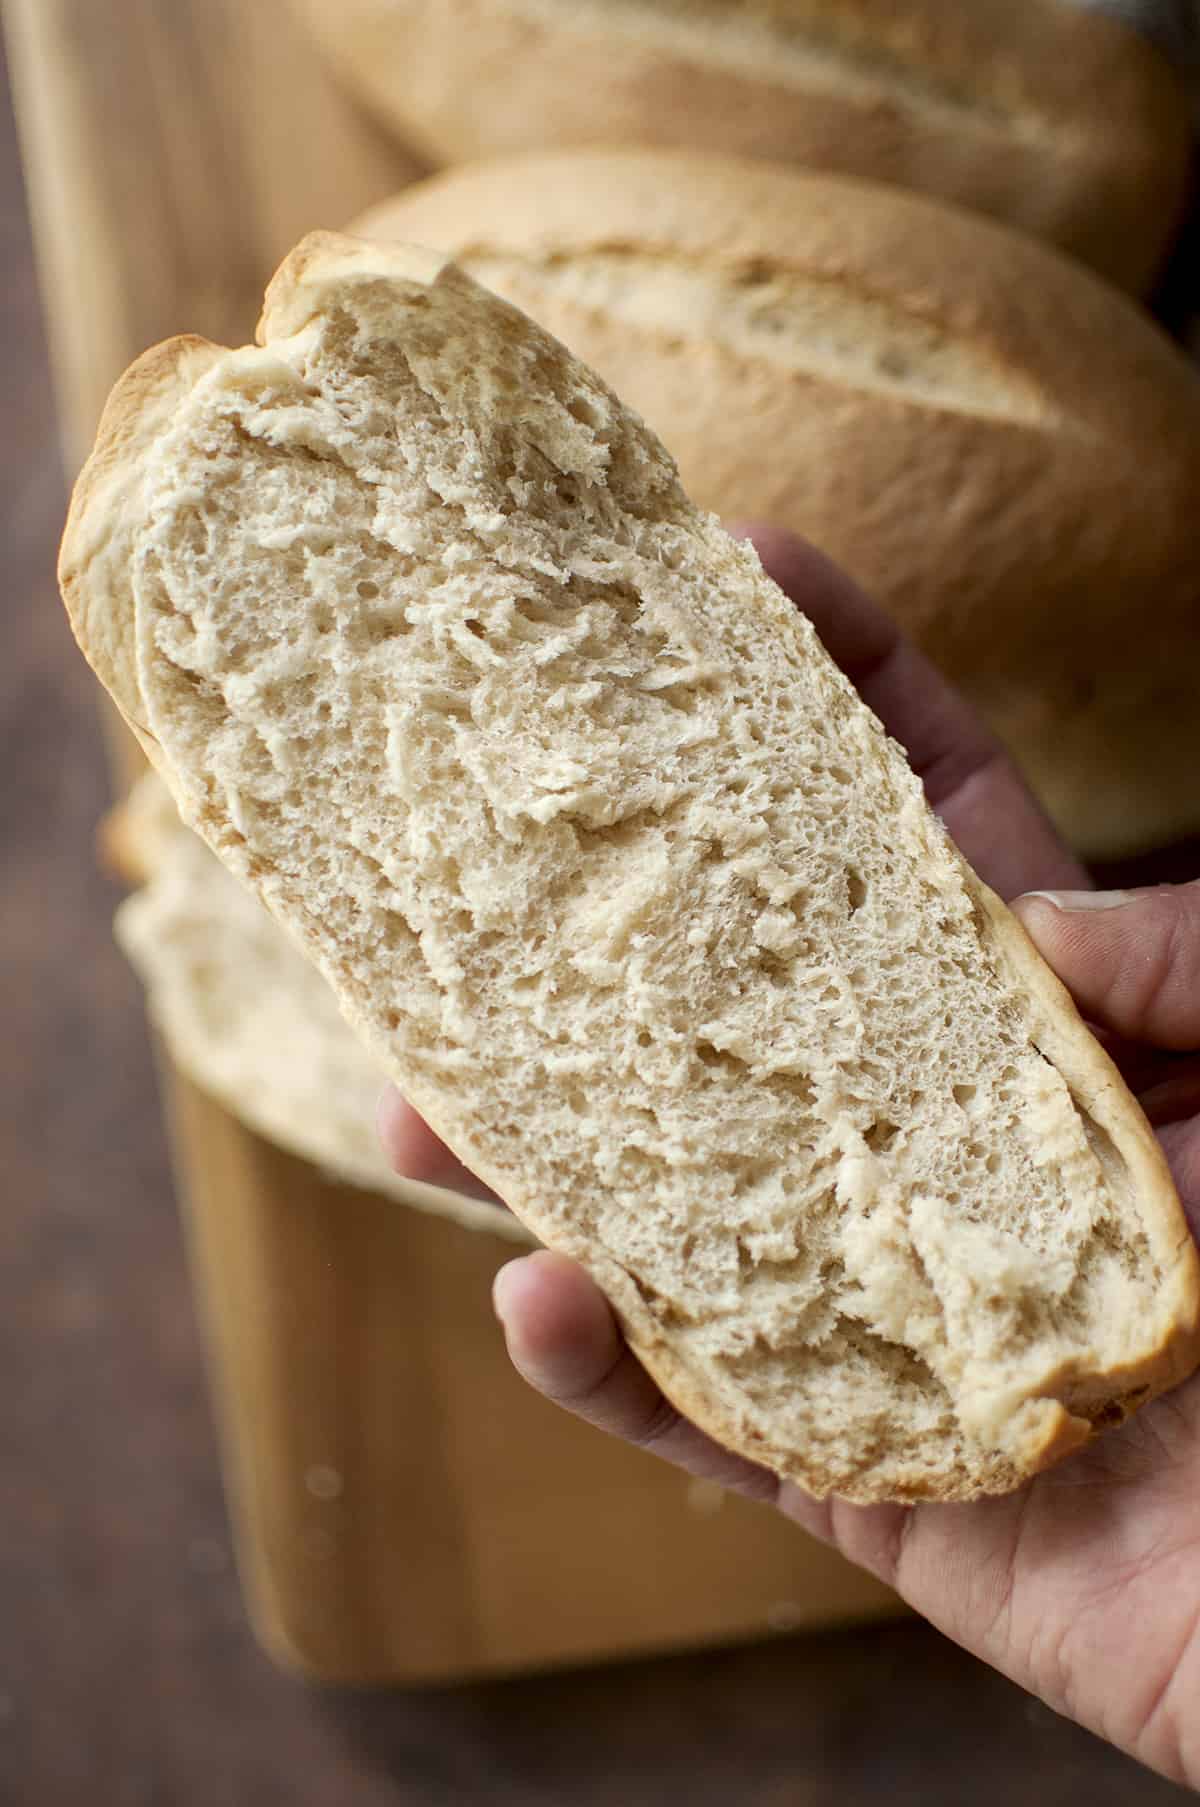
x: 1040, y: 112
x: 618, y: 877
x: 1002, y: 450
x: 247, y: 1017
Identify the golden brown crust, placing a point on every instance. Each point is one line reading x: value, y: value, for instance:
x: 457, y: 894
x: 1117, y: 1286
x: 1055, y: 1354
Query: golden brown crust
x: 325, y: 260
x: 96, y: 540
x: 1044, y: 115
x: 994, y: 521
x: 1101, y: 1094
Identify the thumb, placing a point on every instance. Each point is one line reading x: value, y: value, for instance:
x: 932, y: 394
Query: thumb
x: 1130, y: 959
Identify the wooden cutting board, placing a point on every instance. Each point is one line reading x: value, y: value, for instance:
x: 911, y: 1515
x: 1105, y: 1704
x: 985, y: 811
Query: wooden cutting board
x: 403, y: 1507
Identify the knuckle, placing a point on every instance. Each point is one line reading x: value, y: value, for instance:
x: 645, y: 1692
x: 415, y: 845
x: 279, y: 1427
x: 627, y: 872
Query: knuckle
x: 660, y: 1420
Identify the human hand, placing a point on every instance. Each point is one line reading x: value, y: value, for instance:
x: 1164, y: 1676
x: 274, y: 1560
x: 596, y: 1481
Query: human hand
x: 1084, y: 1587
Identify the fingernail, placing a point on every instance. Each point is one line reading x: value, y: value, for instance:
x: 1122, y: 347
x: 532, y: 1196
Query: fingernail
x: 1083, y: 900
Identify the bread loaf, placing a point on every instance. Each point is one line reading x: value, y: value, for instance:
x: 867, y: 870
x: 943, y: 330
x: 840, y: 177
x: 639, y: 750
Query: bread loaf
x: 1004, y: 452
x: 248, y: 1018
x: 1048, y: 116
x: 620, y: 881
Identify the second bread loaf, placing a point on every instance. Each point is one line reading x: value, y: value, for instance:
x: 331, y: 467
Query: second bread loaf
x: 1041, y: 113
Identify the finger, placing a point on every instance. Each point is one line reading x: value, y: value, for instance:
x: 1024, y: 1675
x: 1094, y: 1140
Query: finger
x: 1174, y: 1097
x: 416, y: 1153
x: 968, y: 778
x: 564, y: 1340
x: 1181, y: 1145
x: 1130, y: 959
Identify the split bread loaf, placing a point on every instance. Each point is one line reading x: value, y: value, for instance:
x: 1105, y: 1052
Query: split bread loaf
x: 1042, y: 113
x: 622, y: 884
x: 248, y: 1018
x: 1004, y: 452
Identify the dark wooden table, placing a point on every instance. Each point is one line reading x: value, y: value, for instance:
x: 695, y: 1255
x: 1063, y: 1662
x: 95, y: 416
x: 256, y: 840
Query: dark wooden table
x: 127, y: 1674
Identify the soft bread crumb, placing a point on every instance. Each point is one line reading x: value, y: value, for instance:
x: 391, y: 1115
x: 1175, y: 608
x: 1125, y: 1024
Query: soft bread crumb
x: 633, y: 897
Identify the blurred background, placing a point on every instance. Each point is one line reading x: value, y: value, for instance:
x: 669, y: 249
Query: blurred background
x: 264, y: 1451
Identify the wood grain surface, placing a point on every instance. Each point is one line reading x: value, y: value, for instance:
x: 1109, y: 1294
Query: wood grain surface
x: 127, y: 1672
x: 408, y: 1509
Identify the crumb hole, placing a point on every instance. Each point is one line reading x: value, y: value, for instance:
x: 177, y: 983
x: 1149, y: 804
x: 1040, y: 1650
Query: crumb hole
x: 772, y: 966
x: 531, y: 610
x: 881, y: 1134
x: 712, y: 1057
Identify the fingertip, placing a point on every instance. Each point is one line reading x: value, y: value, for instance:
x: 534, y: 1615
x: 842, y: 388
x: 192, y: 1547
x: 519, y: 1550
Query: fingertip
x: 408, y: 1142
x: 512, y: 1285
x: 559, y: 1328
x: 543, y: 1298
x: 1037, y: 912
x: 1130, y: 959
x: 416, y: 1153
x: 1052, y: 932
x: 564, y: 1339
x: 1058, y: 922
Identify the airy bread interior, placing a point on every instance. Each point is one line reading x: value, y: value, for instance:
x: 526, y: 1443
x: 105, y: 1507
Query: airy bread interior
x: 617, y: 876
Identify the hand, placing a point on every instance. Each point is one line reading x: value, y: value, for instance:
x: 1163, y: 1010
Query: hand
x: 1085, y: 1586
